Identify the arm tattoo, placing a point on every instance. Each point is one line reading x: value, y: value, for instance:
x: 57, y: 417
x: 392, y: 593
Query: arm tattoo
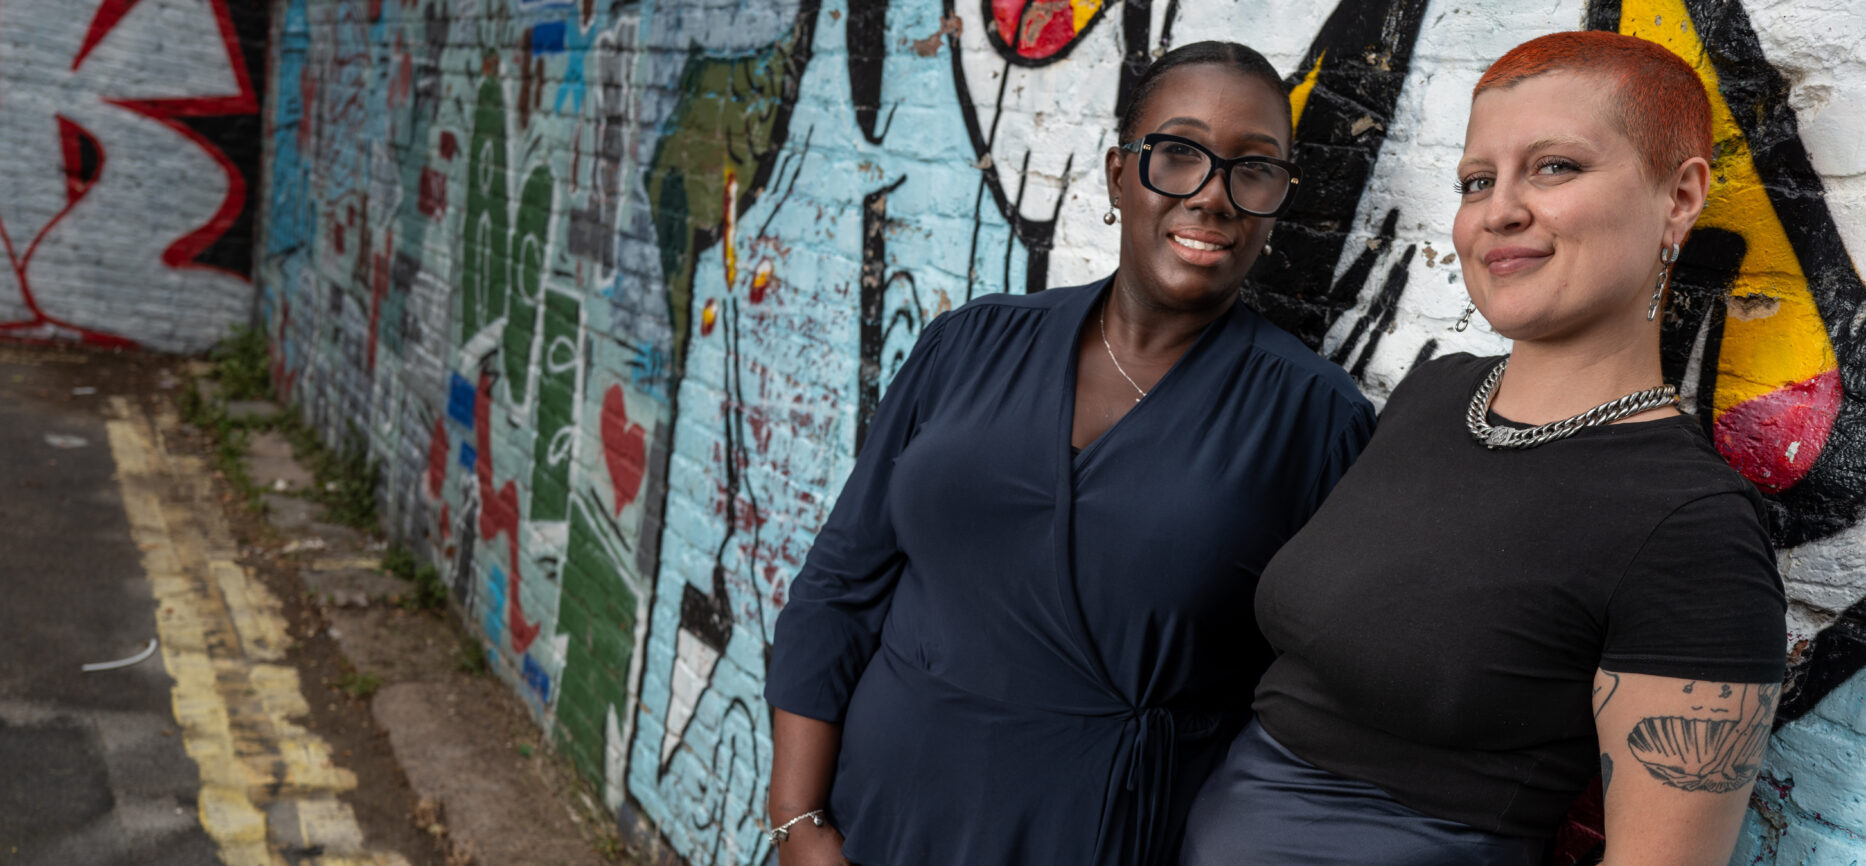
x: 1718, y: 753
x: 1606, y: 773
x: 1600, y: 700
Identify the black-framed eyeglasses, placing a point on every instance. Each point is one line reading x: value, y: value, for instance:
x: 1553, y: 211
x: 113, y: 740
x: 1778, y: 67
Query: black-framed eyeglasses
x: 1179, y: 167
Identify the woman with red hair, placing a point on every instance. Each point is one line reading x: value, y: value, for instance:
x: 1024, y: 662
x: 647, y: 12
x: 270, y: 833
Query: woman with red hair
x: 1540, y: 568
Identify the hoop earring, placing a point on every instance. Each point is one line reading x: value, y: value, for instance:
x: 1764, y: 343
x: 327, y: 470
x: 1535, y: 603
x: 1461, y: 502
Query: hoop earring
x: 1465, y: 321
x: 1667, y: 257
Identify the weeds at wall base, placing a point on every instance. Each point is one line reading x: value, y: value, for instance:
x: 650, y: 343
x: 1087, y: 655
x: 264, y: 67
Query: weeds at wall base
x: 345, y: 479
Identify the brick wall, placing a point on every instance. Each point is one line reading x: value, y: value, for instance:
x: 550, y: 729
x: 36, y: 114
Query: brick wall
x: 129, y: 157
x: 611, y: 289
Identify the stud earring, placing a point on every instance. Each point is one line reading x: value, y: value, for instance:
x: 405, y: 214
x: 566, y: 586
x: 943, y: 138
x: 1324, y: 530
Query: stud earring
x: 1465, y: 321
x: 1667, y: 257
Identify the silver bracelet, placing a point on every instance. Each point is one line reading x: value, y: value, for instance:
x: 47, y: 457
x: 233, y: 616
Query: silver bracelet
x: 782, y: 831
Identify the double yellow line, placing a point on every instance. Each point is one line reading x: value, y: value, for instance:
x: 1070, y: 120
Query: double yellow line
x: 267, y: 784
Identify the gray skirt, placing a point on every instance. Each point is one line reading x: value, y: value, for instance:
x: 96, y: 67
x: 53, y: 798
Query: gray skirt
x: 1266, y: 807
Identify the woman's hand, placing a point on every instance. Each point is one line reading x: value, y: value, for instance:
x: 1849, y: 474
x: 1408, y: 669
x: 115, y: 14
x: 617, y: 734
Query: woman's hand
x: 1678, y: 758
x: 810, y: 845
x: 803, y: 761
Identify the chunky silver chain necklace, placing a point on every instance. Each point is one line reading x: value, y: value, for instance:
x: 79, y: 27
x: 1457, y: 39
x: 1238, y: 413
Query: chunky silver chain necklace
x: 1510, y: 437
x: 1111, y: 357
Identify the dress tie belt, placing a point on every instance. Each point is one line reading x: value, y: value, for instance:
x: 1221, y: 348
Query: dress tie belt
x: 1150, y: 783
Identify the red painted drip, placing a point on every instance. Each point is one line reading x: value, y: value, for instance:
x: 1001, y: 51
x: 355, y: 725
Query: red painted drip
x: 438, y: 449
x: 282, y: 379
x: 1035, y: 28
x: 625, y: 448
x: 523, y: 633
x: 432, y: 200
x: 108, y: 14
x: 1774, y: 439
x: 498, y: 512
x: 378, y: 291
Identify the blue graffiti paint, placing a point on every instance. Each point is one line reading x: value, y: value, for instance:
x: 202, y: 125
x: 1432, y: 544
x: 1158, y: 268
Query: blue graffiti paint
x: 462, y: 399
x: 537, y: 680
x: 469, y: 456
x: 547, y: 38
x: 493, y: 598
x: 572, y: 88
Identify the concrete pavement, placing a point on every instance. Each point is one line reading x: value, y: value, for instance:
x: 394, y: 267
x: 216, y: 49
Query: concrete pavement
x: 92, y: 765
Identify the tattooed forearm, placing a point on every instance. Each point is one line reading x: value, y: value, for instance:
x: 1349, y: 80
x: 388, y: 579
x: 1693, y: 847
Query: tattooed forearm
x: 1605, y: 684
x: 1718, y: 751
x: 1606, y: 773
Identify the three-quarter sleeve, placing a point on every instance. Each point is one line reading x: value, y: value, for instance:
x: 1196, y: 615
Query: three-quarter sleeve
x: 1702, y: 599
x: 1350, y: 425
x: 831, y: 624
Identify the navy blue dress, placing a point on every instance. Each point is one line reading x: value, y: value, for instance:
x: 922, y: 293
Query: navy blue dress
x: 1037, y: 657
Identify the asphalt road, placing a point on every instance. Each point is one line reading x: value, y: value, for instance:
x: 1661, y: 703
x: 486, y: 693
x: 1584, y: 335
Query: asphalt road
x: 92, y: 767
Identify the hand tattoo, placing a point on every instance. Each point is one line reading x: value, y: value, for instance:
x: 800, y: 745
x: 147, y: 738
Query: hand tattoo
x: 1708, y: 754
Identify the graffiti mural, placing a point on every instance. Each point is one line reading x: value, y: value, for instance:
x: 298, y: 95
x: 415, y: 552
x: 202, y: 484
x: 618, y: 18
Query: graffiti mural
x: 611, y: 291
x: 132, y: 152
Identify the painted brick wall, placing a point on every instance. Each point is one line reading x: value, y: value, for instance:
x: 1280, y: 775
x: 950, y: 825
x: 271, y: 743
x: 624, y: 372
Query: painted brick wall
x: 611, y: 288
x: 129, y: 168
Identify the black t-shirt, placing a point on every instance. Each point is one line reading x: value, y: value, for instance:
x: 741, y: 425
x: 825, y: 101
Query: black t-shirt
x: 1440, y: 619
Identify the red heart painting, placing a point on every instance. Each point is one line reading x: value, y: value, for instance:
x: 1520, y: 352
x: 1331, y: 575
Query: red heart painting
x: 625, y: 448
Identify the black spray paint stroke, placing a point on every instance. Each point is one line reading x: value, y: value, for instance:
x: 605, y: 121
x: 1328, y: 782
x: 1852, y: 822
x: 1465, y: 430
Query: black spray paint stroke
x: 1136, y: 35
x: 1365, y: 49
x: 875, y: 319
x: 1037, y: 236
x: 867, y: 38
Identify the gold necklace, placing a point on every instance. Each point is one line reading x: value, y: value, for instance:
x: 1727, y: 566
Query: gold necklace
x: 1111, y: 357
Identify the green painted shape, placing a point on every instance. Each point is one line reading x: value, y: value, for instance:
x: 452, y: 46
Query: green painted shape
x: 597, y: 612
x: 485, y: 268
x: 558, y: 364
x: 528, y: 261
x: 726, y: 119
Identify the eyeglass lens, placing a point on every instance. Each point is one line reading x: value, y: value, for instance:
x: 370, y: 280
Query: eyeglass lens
x: 1177, y: 169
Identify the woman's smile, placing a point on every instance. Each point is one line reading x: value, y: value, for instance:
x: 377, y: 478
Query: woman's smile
x: 1199, y: 247
x: 1505, y: 261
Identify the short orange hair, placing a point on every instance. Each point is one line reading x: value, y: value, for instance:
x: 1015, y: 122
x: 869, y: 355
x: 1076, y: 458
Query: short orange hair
x: 1661, y: 101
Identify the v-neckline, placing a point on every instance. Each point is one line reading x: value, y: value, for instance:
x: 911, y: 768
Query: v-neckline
x: 1072, y: 370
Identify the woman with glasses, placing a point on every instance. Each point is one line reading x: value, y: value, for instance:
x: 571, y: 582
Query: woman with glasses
x: 1022, y: 636
x: 1540, y: 570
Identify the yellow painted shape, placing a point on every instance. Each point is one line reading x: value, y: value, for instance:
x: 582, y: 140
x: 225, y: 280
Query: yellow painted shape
x: 732, y: 226
x: 218, y: 629
x: 328, y: 823
x: 1763, y: 354
x: 1299, y: 95
x: 257, y: 615
x: 1085, y: 10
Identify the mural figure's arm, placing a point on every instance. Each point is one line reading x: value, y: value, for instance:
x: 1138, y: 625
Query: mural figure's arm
x: 1678, y: 759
